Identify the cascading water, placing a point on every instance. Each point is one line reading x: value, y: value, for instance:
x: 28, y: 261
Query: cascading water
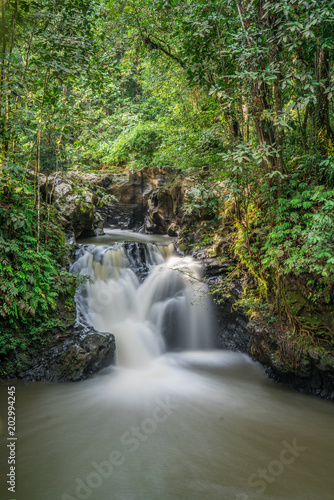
x: 147, y: 296
x: 193, y: 425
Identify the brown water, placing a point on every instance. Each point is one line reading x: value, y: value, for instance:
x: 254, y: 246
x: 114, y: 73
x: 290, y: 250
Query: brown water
x: 190, y: 426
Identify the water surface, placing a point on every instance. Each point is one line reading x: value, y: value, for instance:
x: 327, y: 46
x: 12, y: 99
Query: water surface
x: 196, y: 424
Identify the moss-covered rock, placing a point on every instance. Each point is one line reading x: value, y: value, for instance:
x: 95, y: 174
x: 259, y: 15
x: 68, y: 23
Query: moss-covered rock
x: 74, y: 356
x: 74, y: 196
x: 297, y: 364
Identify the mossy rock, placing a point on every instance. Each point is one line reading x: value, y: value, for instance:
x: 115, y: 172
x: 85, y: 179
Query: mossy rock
x: 75, y: 358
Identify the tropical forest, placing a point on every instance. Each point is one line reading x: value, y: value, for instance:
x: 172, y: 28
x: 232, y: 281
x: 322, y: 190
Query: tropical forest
x: 166, y: 249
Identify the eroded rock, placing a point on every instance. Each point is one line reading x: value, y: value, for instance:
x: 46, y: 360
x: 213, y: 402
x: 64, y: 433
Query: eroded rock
x: 73, y: 358
x: 74, y: 197
x: 308, y: 370
x: 148, y: 200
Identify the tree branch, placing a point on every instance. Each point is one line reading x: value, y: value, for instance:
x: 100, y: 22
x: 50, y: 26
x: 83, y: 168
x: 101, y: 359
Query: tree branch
x: 157, y: 46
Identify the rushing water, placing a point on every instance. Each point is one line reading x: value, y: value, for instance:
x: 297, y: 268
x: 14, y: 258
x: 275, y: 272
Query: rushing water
x: 168, y: 301
x: 192, y: 424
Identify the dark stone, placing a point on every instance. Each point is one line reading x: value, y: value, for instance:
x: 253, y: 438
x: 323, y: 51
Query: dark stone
x: 148, y: 200
x: 232, y: 332
x: 305, y: 371
x: 316, y: 381
x: 73, y: 358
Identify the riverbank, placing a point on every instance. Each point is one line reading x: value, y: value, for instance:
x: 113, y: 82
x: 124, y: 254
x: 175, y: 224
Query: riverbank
x: 166, y: 201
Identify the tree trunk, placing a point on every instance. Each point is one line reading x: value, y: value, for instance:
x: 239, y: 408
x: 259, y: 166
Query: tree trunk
x: 3, y: 100
x: 320, y: 111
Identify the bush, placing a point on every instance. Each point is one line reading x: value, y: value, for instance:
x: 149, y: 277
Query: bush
x: 33, y: 280
x: 135, y: 146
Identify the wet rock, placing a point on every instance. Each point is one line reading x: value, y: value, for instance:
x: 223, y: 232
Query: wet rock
x: 214, y: 267
x: 308, y: 370
x: 236, y: 290
x: 232, y: 332
x: 73, y: 358
x: 148, y: 200
x: 172, y: 229
x: 316, y: 381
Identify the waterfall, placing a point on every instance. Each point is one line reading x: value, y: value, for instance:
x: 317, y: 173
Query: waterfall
x: 151, y: 299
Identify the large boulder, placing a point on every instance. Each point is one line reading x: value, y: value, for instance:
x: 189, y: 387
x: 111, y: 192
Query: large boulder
x: 308, y: 369
x: 74, y: 357
x: 74, y: 197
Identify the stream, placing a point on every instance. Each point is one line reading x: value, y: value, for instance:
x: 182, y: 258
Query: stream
x: 174, y: 419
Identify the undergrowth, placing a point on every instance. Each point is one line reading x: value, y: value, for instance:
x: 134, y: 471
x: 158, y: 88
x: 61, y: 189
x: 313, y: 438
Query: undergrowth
x: 36, y: 291
x: 282, y: 254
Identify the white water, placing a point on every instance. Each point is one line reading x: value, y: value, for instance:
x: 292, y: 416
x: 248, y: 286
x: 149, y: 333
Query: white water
x: 170, y: 304
x: 192, y: 425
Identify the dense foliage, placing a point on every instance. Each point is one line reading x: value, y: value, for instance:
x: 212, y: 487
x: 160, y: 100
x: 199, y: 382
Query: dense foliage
x: 35, y: 288
x: 241, y: 88
x: 267, y: 66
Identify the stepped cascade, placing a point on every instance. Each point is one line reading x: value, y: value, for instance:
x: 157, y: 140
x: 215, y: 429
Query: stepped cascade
x: 174, y: 418
x: 150, y: 298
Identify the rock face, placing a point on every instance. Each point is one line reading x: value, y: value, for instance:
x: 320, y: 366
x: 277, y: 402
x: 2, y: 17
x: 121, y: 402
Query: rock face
x: 232, y: 331
x: 148, y: 200
x: 310, y: 370
x: 73, y: 358
x: 74, y: 197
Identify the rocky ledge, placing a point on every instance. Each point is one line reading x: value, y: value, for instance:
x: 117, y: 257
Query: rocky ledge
x: 73, y: 356
x: 309, y: 370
